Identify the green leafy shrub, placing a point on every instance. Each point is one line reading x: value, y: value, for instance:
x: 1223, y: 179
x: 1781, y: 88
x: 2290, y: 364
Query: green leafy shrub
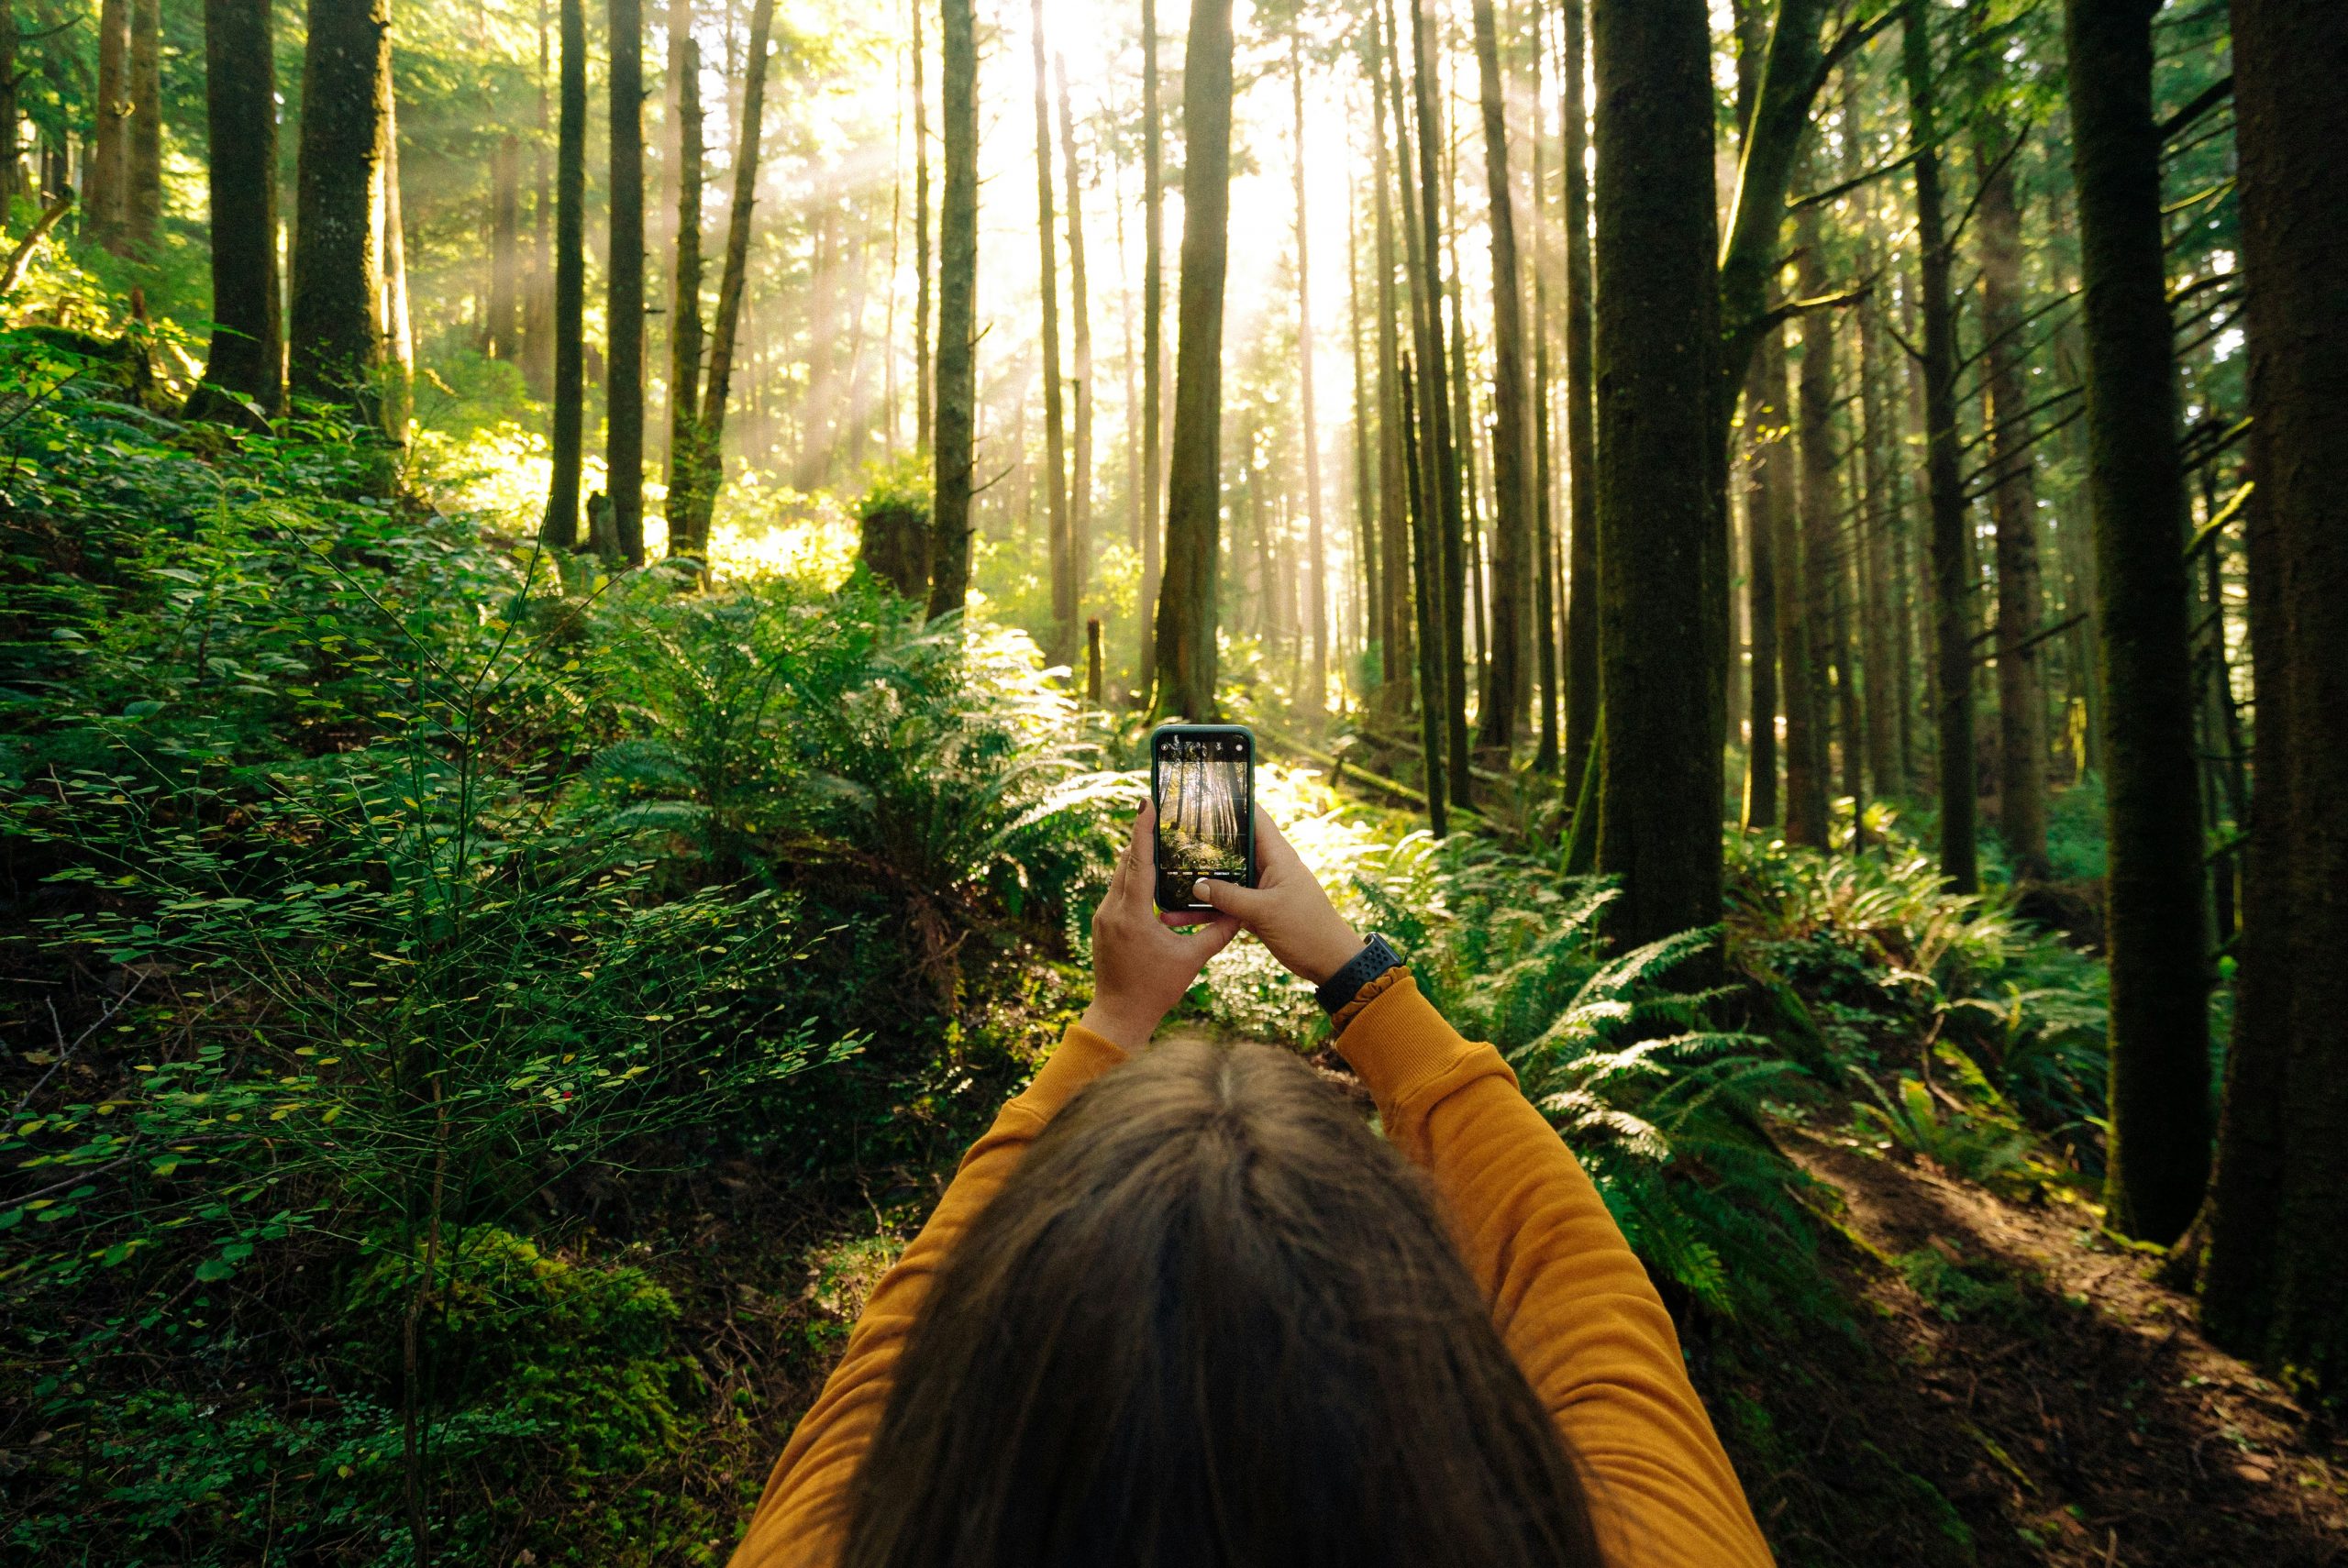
x: 1974, y: 1146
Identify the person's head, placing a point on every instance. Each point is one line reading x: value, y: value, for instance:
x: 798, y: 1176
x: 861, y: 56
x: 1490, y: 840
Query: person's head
x: 1212, y: 1320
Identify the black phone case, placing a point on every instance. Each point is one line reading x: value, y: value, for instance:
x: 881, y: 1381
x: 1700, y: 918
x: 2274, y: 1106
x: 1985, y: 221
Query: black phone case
x: 1173, y: 892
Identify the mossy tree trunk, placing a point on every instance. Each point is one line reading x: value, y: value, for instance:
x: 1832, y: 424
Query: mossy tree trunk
x: 105, y: 180
x: 1663, y: 537
x: 1062, y: 647
x: 623, y: 297
x: 1316, y: 607
x: 143, y: 200
x: 1582, y: 674
x: 1187, y: 599
x: 957, y: 281
x: 338, y: 260
x: 248, y: 355
x: 560, y: 530
x: 684, y: 295
x: 2278, y: 1260
x: 1513, y: 561
x: 1950, y: 550
x: 2160, y: 1066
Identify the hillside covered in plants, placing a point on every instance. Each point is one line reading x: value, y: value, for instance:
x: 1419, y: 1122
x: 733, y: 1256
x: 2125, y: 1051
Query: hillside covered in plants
x: 584, y: 591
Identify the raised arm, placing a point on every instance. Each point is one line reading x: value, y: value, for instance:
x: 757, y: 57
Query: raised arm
x: 1572, y: 1303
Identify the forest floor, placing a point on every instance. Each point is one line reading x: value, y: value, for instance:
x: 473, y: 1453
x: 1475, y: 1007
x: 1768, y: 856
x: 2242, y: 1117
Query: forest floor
x: 2028, y: 1370
x: 2013, y: 1388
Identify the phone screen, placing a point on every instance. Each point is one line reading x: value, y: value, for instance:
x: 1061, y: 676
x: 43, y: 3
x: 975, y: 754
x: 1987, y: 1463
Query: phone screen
x: 1203, y: 777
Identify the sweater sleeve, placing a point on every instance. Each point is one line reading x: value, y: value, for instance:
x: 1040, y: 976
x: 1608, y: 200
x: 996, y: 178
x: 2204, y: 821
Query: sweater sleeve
x: 1572, y: 1303
x: 801, y: 1517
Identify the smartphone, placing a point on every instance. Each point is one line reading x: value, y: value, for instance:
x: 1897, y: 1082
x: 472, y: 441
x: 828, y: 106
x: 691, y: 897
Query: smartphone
x: 1203, y: 782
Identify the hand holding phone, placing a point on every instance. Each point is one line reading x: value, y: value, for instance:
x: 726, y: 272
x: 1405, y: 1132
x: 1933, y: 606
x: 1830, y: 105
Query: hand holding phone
x: 1202, y: 785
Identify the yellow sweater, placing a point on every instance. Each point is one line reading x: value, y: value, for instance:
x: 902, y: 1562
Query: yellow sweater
x: 1571, y: 1302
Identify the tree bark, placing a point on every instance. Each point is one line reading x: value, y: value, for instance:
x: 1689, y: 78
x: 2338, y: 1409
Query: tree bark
x: 1152, y: 413
x: 709, y: 440
x: 1061, y: 646
x: 1887, y: 698
x: 143, y: 202
x: 537, y: 308
x: 1316, y: 609
x: 1545, y: 542
x: 1777, y: 122
x: 1582, y: 672
x: 1821, y: 505
x: 104, y: 199
x: 1663, y: 539
x: 1367, y: 486
x: 1805, y: 801
x: 684, y: 297
x: 1186, y: 606
x: 924, y: 367
x: 502, y: 339
x: 2160, y: 1065
x: 1444, y: 470
x: 2013, y: 504
x: 1765, y: 432
x: 560, y: 530
x: 1079, y: 501
x: 2292, y: 1076
x: 1515, y: 569
x: 394, y: 325
x: 1394, y: 433
x: 624, y: 295
x: 1428, y: 595
x: 1950, y: 552
x: 957, y: 281
x: 337, y: 259
x: 247, y: 356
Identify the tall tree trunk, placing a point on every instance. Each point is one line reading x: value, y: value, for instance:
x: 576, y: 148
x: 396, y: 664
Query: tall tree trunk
x: 538, y: 309
x: 1366, y: 487
x: 336, y: 261
x: 560, y: 530
x: 1394, y: 433
x: 502, y: 339
x: 1775, y: 109
x: 1663, y: 537
x: 2013, y: 504
x: 1545, y: 542
x: 624, y: 296
x: 395, y: 324
x: 1798, y: 676
x: 1514, y: 565
x: 107, y: 179
x: 1884, y: 696
x: 1820, y: 509
x: 1765, y: 432
x: 925, y: 368
x: 1186, y: 606
x: 2279, y: 1257
x: 2294, y: 214
x: 957, y: 326
x: 1152, y: 413
x: 1951, y: 548
x: 11, y: 112
x: 2160, y: 1065
x: 1316, y: 691
x: 1429, y: 597
x: 143, y: 202
x: 684, y: 296
x: 248, y: 356
x: 709, y: 441
x: 1079, y: 501
x: 1062, y: 642
x: 1444, y: 472
x: 1582, y: 672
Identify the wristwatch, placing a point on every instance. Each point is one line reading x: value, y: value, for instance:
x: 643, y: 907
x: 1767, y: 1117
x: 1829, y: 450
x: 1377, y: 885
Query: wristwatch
x: 1376, y: 956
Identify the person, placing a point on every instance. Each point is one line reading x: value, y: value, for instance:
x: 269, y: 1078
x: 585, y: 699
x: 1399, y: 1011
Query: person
x: 1179, y: 1306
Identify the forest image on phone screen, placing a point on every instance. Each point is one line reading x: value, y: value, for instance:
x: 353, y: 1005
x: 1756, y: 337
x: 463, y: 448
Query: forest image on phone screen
x: 1203, y: 804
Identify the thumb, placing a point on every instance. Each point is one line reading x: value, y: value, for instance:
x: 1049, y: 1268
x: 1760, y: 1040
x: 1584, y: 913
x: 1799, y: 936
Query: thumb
x: 1245, y: 904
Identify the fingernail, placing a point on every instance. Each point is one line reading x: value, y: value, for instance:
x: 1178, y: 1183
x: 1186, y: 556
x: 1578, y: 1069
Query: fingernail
x: 1199, y: 890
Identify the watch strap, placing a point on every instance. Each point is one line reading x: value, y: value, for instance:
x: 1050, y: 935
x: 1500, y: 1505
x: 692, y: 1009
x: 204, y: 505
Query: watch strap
x: 1376, y: 957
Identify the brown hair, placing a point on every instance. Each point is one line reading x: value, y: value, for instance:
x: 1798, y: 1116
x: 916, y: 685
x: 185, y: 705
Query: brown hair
x: 1212, y: 1320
